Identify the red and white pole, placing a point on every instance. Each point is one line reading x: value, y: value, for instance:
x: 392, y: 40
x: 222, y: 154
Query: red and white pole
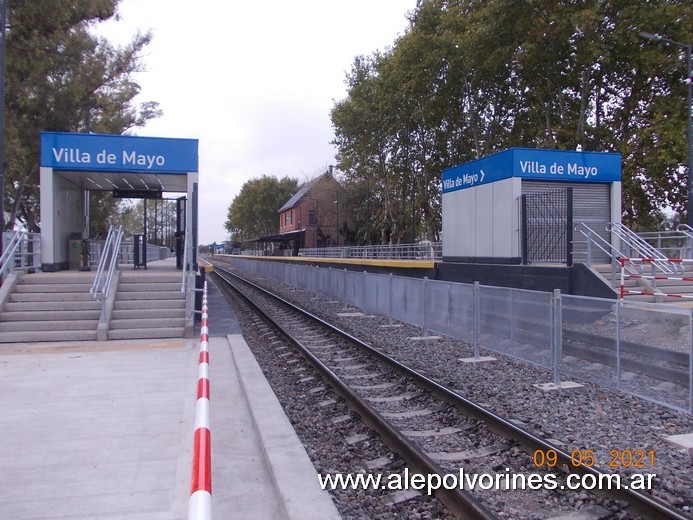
x: 201, y: 481
x: 623, y: 261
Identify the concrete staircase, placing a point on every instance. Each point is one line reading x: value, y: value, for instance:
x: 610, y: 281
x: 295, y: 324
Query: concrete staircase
x: 49, y: 307
x: 148, y: 304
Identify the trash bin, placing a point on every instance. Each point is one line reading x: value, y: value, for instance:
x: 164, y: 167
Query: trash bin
x: 74, y: 251
x: 86, y: 256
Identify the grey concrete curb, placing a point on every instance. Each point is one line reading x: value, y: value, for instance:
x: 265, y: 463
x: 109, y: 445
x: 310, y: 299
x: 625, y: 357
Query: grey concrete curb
x: 294, y: 477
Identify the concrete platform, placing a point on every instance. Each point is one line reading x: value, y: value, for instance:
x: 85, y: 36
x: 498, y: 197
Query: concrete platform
x: 104, y: 430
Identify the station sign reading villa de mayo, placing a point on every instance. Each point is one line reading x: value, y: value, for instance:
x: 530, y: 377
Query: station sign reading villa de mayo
x: 530, y: 163
x: 118, y: 153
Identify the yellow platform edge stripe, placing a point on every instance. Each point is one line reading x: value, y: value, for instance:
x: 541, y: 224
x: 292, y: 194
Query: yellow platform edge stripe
x: 415, y: 264
x: 204, y: 264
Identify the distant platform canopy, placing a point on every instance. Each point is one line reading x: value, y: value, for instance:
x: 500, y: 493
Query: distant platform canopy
x: 283, y: 237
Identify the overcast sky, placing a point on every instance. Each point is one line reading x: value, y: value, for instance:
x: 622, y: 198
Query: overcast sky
x: 253, y: 81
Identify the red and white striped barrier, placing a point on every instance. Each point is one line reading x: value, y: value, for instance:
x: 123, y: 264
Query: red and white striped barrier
x: 651, y: 293
x: 659, y: 277
x: 625, y: 291
x: 656, y: 260
x: 201, y: 481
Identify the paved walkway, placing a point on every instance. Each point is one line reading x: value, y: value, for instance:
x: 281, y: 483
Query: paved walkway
x: 96, y: 430
x: 104, y: 431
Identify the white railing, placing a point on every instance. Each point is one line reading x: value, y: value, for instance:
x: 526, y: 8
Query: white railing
x: 417, y: 251
x: 187, y: 286
x: 636, y: 247
x: 114, y: 262
x: 676, y: 243
x: 102, y: 280
x: 594, y: 242
x: 21, y: 252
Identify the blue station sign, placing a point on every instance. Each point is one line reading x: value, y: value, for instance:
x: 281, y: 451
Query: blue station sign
x: 118, y: 153
x: 530, y: 163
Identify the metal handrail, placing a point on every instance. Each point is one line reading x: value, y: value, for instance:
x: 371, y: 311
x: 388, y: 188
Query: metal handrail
x: 594, y: 238
x: 184, y: 280
x: 675, y: 243
x: 114, y: 262
x: 7, y: 258
x: 101, y: 284
x: 416, y: 251
x: 93, y: 291
x: 641, y: 247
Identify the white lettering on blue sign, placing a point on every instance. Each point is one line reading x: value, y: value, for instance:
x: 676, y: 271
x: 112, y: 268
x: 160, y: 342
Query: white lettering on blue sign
x: 582, y: 171
x: 574, y: 169
x: 106, y: 158
x: 71, y: 155
x: 143, y: 160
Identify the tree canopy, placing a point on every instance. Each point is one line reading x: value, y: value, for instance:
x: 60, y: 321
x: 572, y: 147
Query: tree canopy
x: 470, y: 78
x: 62, y: 77
x: 253, y: 212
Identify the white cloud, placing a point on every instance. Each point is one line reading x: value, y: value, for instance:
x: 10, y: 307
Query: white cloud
x: 253, y: 81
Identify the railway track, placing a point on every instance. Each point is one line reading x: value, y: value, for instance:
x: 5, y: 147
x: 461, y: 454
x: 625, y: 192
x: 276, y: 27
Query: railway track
x: 435, y: 429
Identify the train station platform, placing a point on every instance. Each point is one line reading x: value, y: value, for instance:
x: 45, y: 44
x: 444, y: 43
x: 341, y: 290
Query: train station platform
x: 105, y: 430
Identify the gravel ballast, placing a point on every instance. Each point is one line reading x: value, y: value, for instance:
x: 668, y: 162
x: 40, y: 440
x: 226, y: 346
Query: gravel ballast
x: 595, y: 418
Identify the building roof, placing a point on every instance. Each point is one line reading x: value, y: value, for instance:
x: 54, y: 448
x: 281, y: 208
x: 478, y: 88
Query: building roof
x: 297, y: 196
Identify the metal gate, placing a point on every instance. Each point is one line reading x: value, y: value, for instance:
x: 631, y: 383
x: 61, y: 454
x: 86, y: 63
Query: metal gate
x: 547, y: 227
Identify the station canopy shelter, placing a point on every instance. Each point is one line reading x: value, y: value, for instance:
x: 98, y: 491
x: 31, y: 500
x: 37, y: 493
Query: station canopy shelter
x: 72, y: 164
x: 290, y: 241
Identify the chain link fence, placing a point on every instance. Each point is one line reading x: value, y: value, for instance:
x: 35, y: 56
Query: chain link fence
x: 639, y: 348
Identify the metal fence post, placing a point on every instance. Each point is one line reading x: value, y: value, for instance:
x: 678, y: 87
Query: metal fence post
x: 365, y: 279
x: 513, y: 337
x: 557, y: 328
x: 449, y: 286
x: 618, y: 343
x: 425, y: 306
x: 477, y: 319
x: 690, y: 364
x: 389, y: 303
x: 344, y: 289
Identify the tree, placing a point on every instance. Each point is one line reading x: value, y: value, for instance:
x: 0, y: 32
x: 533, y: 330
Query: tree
x: 253, y: 212
x: 472, y: 77
x: 61, y: 77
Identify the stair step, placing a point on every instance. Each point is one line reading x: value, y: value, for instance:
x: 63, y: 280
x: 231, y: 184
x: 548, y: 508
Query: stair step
x: 122, y: 305
x: 148, y: 286
x: 176, y: 332
x: 131, y: 314
x: 151, y: 277
x: 34, y: 336
x: 50, y: 297
x: 56, y: 315
x: 26, y: 326
x: 145, y: 323
x: 158, y: 295
x: 53, y: 288
x: 52, y: 306
x: 63, y: 277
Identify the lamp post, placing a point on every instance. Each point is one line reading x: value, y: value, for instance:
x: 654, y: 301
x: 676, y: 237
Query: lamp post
x: 689, y: 83
x: 3, y: 38
x: 336, y: 192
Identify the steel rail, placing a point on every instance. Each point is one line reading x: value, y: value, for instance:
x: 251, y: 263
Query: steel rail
x: 459, y: 502
x: 639, y: 503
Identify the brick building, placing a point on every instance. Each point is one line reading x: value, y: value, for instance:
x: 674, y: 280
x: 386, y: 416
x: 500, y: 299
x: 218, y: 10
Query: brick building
x: 310, y: 218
